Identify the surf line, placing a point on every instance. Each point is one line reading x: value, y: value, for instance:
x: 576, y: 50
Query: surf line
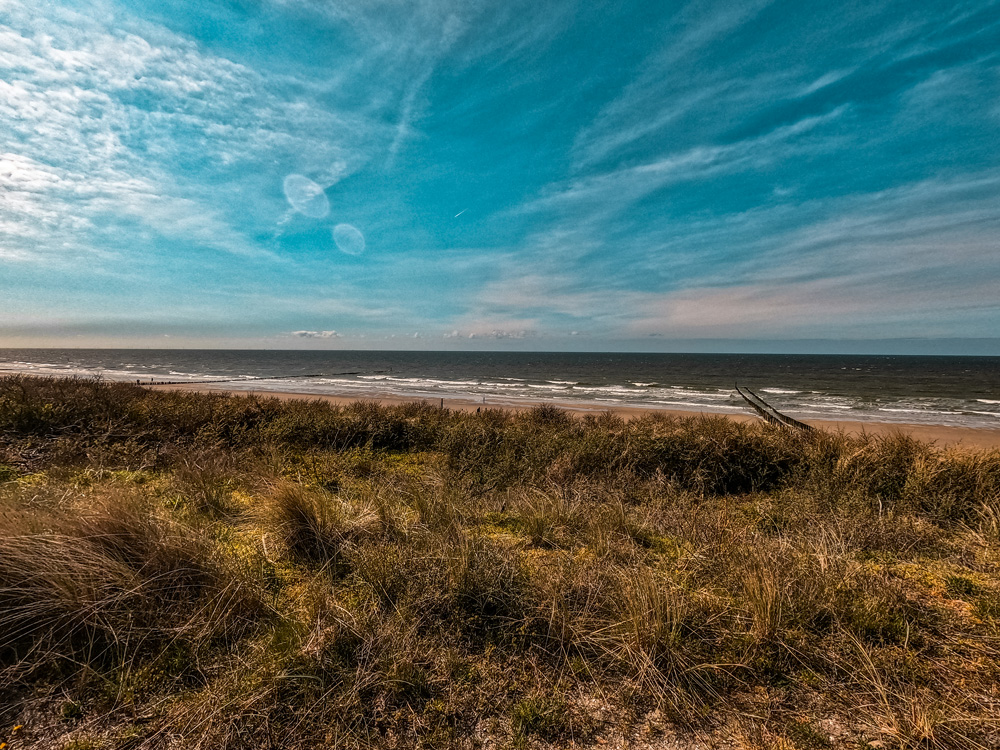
x: 254, y: 378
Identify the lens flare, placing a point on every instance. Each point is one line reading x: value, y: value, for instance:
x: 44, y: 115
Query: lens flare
x: 349, y: 240
x: 306, y: 197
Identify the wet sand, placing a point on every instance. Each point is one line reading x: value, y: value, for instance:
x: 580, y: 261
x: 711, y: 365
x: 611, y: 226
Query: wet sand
x: 939, y: 435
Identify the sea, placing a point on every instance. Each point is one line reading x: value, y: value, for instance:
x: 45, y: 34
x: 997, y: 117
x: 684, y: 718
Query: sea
x: 938, y: 390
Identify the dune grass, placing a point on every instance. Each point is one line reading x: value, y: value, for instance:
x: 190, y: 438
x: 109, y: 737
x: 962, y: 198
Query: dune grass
x: 212, y: 571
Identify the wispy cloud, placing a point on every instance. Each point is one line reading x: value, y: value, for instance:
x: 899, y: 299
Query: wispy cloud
x: 641, y: 108
x: 863, y: 306
x: 101, y: 113
x: 451, y: 29
x: 617, y: 189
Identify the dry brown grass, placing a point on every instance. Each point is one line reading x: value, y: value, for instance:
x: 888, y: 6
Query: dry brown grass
x: 200, y: 571
x: 108, y: 583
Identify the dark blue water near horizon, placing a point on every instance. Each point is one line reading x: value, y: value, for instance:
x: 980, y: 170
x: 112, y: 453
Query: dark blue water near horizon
x: 947, y: 390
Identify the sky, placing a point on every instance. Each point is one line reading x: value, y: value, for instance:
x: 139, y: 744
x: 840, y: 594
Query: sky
x: 470, y: 174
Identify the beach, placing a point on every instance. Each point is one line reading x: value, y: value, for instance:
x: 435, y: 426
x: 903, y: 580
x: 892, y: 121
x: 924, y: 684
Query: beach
x: 854, y: 392
x: 942, y: 436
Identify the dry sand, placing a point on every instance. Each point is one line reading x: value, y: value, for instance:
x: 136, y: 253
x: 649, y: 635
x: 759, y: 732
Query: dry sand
x: 941, y: 436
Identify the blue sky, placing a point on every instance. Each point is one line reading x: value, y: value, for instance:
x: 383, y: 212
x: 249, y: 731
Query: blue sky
x: 540, y: 175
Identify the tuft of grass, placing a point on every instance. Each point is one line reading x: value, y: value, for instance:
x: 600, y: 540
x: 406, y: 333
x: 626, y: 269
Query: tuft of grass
x: 204, y: 479
x: 542, y: 716
x: 8, y: 473
x: 314, y: 526
x: 489, y: 589
x: 111, y: 583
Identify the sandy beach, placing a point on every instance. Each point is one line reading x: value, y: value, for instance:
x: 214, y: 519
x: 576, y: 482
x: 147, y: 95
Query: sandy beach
x: 939, y: 435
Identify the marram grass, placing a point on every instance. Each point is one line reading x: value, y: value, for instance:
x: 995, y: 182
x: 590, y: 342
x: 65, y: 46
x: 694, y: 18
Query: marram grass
x: 205, y: 571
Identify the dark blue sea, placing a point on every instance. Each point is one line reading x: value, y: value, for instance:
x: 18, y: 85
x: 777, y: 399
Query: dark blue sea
x: 962, y: 391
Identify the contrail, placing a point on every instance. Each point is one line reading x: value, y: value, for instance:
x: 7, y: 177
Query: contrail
x: 461, y: 212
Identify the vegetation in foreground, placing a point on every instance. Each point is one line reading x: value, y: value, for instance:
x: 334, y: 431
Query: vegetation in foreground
x: 183, y: 570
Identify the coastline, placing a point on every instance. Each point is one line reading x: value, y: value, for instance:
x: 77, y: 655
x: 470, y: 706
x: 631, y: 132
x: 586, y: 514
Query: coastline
x: 942, y: 436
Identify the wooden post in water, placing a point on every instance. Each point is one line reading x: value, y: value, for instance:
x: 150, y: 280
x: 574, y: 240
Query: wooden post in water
x: 768, y: 413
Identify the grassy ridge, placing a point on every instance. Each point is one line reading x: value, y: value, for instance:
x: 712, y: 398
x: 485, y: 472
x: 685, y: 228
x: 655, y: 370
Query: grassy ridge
x: 185, y: 570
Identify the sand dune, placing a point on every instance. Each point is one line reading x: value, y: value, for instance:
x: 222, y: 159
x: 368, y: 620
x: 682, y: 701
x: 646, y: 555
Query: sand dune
x: 940, y: 435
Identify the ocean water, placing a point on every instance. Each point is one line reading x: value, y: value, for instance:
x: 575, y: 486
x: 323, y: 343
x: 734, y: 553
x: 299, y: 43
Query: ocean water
x: 961, y: 391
